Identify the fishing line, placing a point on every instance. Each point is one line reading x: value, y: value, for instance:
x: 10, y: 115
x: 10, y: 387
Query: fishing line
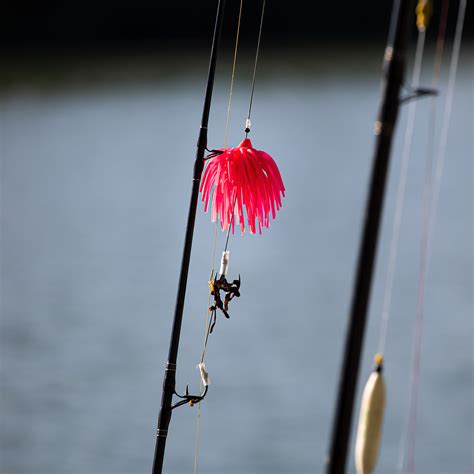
x: 198, y: 416
x: 247, y: 130
x: 207, y: 324
x: 209, y: 316
x: 230, y: 226
x: 448, y: 108
x: 247, y: 122
x: 369, y: 430
x: 393, y: 22
x: 254, y: 75
x: 430, y: 202
x: 236, y: 48
x: 440, y: 41
x: 400, y: 197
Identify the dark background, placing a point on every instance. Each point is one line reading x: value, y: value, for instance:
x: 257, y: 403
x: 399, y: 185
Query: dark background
x: 120, y: 24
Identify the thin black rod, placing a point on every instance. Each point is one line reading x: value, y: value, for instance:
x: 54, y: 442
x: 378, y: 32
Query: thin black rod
x: 169, y: 381
x: 394, y: 69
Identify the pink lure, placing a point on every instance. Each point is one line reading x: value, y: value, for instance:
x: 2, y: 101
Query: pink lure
x: 242, y: 176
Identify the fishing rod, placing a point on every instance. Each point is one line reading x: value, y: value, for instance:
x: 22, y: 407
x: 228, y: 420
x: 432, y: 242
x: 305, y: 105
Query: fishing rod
x: 394, y: 70
x: 169, y: 381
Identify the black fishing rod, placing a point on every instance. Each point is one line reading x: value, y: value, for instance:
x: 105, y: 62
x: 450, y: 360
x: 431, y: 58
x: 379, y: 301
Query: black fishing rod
x: 394, y: 69
x: 169, y: 381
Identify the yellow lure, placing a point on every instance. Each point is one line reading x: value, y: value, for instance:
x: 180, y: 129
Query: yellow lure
x: 423, y: 12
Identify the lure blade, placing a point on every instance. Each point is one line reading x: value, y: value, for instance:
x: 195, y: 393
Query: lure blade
x: 369, y: 430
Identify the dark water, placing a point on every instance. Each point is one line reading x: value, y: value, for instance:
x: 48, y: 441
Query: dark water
x: 96, y: 173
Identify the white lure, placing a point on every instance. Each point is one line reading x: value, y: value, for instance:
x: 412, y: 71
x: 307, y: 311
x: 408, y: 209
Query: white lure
x: 224, y: 263
x: 369, y: 430
x: 204, y: 374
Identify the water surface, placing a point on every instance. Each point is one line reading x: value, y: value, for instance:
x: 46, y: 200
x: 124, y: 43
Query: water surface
x: 96, y: 173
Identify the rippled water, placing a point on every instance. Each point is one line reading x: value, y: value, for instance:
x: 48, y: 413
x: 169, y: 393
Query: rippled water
x: 96, y: 173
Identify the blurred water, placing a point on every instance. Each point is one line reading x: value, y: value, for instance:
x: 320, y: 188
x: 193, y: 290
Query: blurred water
x: 96, y: 173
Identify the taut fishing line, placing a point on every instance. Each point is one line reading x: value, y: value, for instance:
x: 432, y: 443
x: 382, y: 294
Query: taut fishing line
x: 252, y: 90
x: 214, y: 246
x: 373, y: 400
x: 169, y: 378
x: 247, y: 122
x: 440, y: 41
x: 240, y: 184
x: 432, y: 184
x: 400, y: 196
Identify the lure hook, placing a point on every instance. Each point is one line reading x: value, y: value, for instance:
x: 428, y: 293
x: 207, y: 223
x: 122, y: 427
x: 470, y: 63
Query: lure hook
x: 188, y: 399
x: 212, y: 154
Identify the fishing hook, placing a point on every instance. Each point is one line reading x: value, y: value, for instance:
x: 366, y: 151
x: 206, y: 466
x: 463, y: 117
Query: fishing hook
x: 230, y: 289
x: 188, y: 399
x: 212, y: 154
